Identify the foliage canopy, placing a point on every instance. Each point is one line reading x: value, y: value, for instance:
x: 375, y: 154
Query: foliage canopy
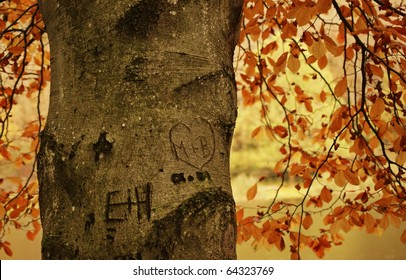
x: 352, y: 170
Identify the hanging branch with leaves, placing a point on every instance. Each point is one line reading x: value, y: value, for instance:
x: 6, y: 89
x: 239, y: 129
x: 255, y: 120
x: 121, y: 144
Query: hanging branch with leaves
x: 343, y: 141
x: 24, y: 74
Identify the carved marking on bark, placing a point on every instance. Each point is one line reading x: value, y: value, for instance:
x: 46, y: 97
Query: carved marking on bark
x: 193, y: 143
x: 90, y: 220
x: 102, y: 147
x: 110, y: 236
x: 178, y: 178
x: 134, y: 71
x: 120, y: 208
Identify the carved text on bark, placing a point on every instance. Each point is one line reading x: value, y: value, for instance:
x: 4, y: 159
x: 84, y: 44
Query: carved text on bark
x: 121, y: 207
x: 193, y: 143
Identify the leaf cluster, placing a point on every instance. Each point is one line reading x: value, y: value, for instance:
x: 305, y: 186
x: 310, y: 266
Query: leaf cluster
x: 344, y: 140
x: 24, y: 74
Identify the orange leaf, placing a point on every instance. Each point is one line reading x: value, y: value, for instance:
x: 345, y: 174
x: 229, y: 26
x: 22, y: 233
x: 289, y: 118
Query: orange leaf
x: 378, y: 107
x: 281, y: 131
x: 256, y: 131
x: 294, y: 256
x: 252, y: 192
x: 307, y: 221
x: 293, y: 63
x: 7, y: 250
x: 280, y: 243
x: 311, y: 59
x: 332, y: 47
x: 351, y: 177
x: 323, y: 6
x: 31, y: 235
x: 281, y: 63
x: 296, y: 169
x: 318, y: 49
x: 302, y: 13
x: 16, y: 50
x: 341, y: 87
x: 326, y: 195
x: 5, y: 153
x: 279, y: 167
x: 240, y: 215
x: 369, y: 222
x: 394, y: 220
x: 339, y: 179
x: 322, y: 62
x: 376, y: 70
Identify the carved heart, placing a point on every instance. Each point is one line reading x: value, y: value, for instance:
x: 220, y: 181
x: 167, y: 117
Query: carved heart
x: 193, y: 143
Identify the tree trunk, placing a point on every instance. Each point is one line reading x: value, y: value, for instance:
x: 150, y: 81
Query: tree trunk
x: 134, y: 159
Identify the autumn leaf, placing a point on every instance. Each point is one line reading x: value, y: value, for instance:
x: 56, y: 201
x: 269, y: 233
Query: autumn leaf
x: 377, y: 108
x: 322, y: 62
x: 369, y: 221
x: 341, y: 87
x: 351, y: 177
x: 332, y: 47
x: 297, y: 169
x: 307, y: 221
x: 325, y: 195
x: 240, y: 215
x: 7, y: 249
x: 340, y: 179
x: 5, y: 153
x: 318, y: 49
x: 281, y: 63
x: 281, y: 131
x: 293, y: 63
x: 252, y: 192
x: 256, y: 131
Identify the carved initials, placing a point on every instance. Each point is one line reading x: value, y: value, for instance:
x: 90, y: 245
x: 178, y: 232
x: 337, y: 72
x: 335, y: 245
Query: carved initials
x: 193, y: 143
x: 120, y: 208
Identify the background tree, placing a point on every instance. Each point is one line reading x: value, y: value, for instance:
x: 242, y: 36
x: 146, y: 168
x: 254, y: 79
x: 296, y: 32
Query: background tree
x: 341, y: 145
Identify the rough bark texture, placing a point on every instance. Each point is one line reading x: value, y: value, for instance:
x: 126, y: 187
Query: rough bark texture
x: 134, y: 159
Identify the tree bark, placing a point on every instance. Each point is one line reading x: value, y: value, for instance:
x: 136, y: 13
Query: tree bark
x: 134, y: 158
